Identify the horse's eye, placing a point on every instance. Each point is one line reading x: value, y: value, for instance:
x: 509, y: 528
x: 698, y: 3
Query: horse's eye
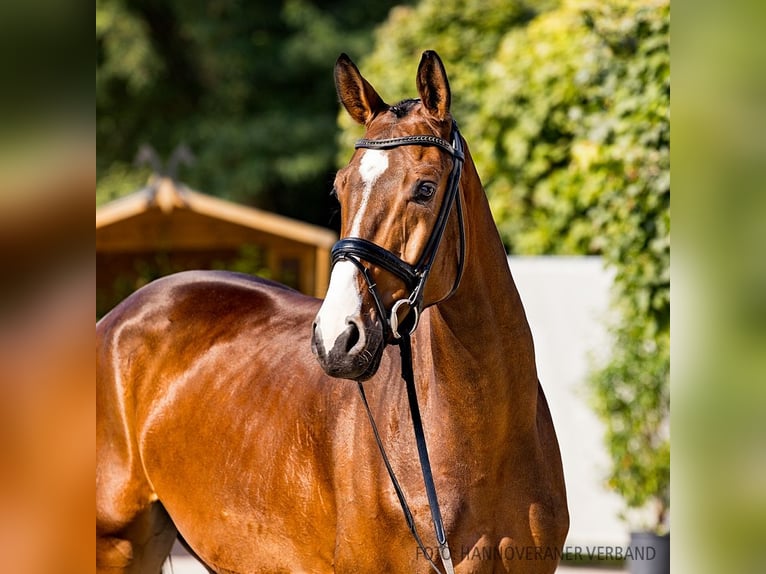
x: 425, y: 190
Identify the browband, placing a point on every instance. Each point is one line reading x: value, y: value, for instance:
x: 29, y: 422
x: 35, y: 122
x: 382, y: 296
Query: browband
x: 410, y: 140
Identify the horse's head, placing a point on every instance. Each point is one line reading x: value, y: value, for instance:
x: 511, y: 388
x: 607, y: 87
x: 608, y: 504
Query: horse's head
x: 402, y: 246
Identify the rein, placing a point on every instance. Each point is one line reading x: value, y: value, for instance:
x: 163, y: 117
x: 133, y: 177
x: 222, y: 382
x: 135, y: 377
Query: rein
x: 405, y: 348
x: 357, y: 250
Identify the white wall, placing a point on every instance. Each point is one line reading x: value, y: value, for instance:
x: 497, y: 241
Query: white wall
x: 567, y: 302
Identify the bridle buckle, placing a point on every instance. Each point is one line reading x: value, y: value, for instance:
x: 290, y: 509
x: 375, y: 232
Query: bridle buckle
x: 394, y: 319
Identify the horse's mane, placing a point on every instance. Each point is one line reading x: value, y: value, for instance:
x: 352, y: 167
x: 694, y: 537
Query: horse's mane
x: 404, y: 107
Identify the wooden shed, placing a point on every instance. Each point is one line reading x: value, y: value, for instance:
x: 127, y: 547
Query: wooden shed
x: 167, y: 227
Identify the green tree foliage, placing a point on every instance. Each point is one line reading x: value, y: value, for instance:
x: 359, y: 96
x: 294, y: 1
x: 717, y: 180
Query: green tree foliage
x: 247, y: 85
x: 578, y: 161
x: 465, y: 33
x: 567, y: 111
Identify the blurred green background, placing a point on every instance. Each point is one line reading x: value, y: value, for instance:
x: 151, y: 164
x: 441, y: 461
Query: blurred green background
x: 169, y: 60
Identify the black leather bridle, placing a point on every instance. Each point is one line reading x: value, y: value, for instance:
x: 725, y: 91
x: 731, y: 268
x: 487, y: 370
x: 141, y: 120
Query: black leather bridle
x: 358, y: 250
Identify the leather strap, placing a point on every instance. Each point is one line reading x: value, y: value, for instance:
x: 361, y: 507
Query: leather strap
x: 368, y: 251
x: 411, y: 140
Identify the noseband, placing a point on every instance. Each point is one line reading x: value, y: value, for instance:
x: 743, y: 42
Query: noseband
x: 358, y: 250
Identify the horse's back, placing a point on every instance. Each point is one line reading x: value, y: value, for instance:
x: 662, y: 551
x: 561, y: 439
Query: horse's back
x: 179, y: 318
x: 199, y: 296
x: 206, y: 379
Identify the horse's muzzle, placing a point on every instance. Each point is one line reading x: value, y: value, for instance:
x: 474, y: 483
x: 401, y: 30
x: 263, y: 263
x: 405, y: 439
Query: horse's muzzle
x: 355, y: 352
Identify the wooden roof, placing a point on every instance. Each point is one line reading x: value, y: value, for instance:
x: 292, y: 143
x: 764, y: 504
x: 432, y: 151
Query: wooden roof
x: 168, y: 216
x: 141, y: 221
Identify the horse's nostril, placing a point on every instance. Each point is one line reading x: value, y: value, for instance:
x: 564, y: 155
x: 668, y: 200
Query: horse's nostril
x: 352, y: 338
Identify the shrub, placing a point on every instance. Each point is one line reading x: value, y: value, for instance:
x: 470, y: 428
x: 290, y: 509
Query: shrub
x: 576, y: 159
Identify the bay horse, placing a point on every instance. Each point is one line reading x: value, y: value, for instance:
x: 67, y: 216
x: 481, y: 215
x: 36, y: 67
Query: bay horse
x: 221, y: 418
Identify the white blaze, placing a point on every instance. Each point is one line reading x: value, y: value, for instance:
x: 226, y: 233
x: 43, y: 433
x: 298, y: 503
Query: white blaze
x: 344, y: 300
x: 374, y: 163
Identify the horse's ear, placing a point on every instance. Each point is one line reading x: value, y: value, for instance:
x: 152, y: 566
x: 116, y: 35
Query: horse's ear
x: 356, y: 94
x: 433, y: 85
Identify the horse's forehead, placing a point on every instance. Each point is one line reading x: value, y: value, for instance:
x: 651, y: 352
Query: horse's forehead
x: 392, y: 124
x: 370, y: 166
x: 373, y: 164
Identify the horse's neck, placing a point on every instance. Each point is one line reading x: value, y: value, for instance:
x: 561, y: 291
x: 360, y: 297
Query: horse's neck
x: 482, y: 348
